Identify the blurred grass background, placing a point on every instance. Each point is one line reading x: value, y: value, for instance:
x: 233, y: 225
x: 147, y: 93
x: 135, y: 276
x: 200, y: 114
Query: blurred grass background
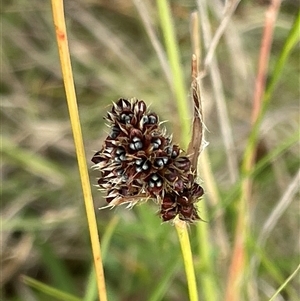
x: 43, y: 224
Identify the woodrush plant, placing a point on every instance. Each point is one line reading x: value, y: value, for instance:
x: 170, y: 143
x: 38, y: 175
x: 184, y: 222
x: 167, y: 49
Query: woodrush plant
x: 271, y: 267
x: 137, y: 152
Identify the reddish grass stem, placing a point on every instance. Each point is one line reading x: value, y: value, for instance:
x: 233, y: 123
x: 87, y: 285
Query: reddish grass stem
x: 238, y: 266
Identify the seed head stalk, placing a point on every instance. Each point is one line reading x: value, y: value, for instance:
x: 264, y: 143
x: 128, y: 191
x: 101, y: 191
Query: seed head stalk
x: 180, y: 94
x: 62, y: 41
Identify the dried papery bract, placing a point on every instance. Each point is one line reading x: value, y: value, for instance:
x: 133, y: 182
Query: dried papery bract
x: 195, y: 144
x: 139, y: 161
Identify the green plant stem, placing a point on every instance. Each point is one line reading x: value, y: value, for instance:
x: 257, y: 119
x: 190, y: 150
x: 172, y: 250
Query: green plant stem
x: 179, y: 88
x: 62, y: 41
x: 181, y: 228
x: 184, y: 117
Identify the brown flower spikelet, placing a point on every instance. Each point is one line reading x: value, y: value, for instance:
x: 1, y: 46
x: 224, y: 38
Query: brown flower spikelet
x: 138, y: 160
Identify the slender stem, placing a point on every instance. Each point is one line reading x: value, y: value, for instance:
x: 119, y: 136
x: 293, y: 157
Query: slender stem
x: 179, y: 88
x: 265, y: 50
x: 184, y: 117
x: 181, y: 228
x: 238, y: 265
x: 285, y: 283
x: 208, y: 285
x: 229, y: 9
x: 143, y: 10
x: 62, y: 41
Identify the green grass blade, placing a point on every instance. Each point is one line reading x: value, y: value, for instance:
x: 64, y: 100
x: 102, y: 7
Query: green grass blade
x: 32, y: 162
x: 48, y: 290
x: 285, y: 283
x: 291, y: 41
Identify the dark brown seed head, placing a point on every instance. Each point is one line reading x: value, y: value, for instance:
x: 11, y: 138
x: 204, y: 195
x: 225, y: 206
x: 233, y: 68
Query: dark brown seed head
x: 138, y: 159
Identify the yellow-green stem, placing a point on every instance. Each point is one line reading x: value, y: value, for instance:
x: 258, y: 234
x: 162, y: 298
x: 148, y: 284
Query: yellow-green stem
x: 185, y: 119
x: 179, y: 88
x: 62, y: 41
x: 181, y: 228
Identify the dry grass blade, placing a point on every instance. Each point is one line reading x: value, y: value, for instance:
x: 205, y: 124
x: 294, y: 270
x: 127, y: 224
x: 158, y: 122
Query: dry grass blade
x: 144, y: 13
x: 110, y: 40
x: 218, y: 90
x: 280, y: 208
x: 275, y: 215
x: 229, y: 10
x: 34, y: 56
x: 237, y: 55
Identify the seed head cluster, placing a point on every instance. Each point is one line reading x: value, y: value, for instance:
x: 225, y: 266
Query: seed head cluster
x: 138, y: 160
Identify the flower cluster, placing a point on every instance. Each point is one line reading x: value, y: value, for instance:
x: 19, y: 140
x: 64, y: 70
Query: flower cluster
x: 138, y: 160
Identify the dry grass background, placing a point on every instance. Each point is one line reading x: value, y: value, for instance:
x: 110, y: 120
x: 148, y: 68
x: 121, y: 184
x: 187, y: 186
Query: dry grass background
x: 44, y: 232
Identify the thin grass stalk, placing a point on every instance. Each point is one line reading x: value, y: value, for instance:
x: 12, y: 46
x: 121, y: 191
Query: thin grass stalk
x: 271, y: 157
x: 62, y: 41
x: 183, y: 236
x: 183, y: 110
x: 208, y: 285
x: 219, y: 97
x: 291, y: 41
x: 279, y: 209
x: 239, y: 263
x: 210, y: 183
x: 179, y: 89
x: 49, y: 290
x: 285, y: 283
x: 260, y: 83
x: 227, y: 14
x: 258, y: 243
x: 157, y: 46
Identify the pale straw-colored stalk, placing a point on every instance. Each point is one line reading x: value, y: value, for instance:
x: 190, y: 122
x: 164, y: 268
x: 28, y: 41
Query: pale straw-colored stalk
x: 62, y: 41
